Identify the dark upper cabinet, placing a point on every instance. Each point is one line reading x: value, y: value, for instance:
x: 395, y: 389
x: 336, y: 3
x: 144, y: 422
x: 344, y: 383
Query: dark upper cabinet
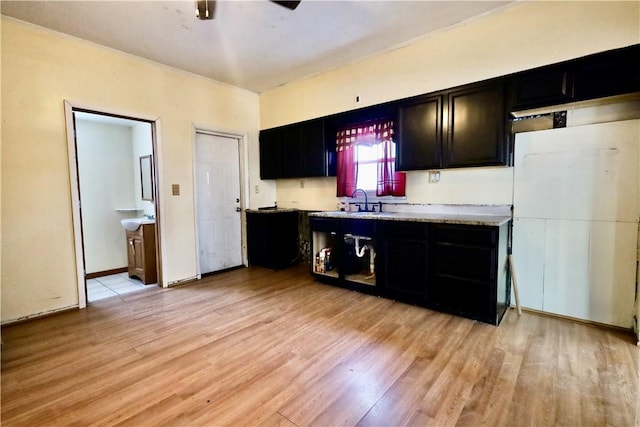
x: 458, y: 128
x: 298, y: 150
x: 420, y: 134
x: 316, y: 154
x: 548, y: 86
x: 476, y: 126
x: 292, y: 151
x: 270, y: 154
x: 607, y: 74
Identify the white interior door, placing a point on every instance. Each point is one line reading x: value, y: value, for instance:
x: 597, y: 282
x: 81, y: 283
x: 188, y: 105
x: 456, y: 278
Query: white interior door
x: 218, y: 218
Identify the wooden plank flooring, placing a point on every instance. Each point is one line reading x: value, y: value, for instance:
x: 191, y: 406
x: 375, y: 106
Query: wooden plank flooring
x: 262, y: 348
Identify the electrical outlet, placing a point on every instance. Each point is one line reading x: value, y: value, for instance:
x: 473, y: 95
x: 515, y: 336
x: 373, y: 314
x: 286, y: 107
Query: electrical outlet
x: 434, y: 177
x: 175, y: 189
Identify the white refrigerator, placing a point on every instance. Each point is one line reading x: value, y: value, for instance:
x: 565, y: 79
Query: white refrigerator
x: 576, y: 213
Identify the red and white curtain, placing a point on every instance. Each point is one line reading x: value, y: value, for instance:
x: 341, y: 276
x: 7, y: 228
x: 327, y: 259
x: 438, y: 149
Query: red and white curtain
x: 377, y: 133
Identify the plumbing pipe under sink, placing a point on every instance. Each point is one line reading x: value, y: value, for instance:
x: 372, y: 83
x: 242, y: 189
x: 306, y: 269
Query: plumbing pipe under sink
x: 360, y: 251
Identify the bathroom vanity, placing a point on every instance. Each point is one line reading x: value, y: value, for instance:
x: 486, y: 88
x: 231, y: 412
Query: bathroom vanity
x: 141, y: 253
x: 450, y: 262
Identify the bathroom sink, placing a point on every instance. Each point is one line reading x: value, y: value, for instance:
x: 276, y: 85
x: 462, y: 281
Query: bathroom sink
x: 132, y: 224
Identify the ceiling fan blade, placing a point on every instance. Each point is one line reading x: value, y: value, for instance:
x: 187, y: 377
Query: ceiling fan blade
x: 288, y: 4
x: 205, y: 9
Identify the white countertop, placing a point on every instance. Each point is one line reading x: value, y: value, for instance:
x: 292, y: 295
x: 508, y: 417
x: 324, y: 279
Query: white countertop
x: 449, y: 216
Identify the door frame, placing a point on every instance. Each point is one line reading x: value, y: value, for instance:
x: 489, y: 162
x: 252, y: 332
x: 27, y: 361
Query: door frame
x: 242, y: 138
x: 69, y: 108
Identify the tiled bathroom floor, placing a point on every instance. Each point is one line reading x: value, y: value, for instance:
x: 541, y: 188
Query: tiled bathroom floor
x: 110, y: 286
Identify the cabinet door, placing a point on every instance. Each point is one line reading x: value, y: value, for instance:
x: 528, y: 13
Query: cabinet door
x: 131, y: 253
x: 138, y: 246
x: 476, y: 135
x: 272, y: 238
x: 608, y: 74
x: 539, y: 88
x: 257, y: 239
x: 270, y: 154
x: 404, y: 267
x: 314, y: 160
x: 292, y: 151
x: 420, y: 135
x: 135, y: 254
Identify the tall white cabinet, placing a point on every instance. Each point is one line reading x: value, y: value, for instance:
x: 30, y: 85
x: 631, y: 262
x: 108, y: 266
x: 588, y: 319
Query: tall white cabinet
x: 576, y: 212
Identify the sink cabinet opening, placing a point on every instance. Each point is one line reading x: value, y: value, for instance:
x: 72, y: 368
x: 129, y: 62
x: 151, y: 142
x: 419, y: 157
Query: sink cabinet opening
x: 360, y: 258
x: 326, y: 251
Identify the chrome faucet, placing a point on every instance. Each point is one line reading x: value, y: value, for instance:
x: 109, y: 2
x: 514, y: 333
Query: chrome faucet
x: 366, y: 204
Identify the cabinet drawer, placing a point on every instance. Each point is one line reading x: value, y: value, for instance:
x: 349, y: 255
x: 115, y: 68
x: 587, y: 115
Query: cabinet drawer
x: 360, y: 227
x: 323, y: 224
x: 463, y: 297
x: 475, y: 263
x: 404, y: 230
x: 466, y: 235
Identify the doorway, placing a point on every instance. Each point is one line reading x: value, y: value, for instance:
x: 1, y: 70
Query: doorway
x: 107, y: 153
x: 218, y: 201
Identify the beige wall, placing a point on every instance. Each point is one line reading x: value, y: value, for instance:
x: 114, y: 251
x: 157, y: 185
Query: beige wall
x: 142, y: 146
x: 517, y: 37
x: 40, y: 69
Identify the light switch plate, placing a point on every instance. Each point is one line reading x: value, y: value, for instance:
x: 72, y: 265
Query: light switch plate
x: 175, y: 189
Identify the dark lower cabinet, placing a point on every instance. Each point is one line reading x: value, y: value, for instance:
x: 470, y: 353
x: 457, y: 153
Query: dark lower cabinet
x: 466, y: 278
x: 272, y: 238
x: 454, y: 268
x: 403, y: 261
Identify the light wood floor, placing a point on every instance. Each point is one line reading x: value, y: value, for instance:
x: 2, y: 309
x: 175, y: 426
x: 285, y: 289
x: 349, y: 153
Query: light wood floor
x: 256, y: 347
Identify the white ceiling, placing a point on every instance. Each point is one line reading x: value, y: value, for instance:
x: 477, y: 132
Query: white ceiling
x: 252, y: 44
